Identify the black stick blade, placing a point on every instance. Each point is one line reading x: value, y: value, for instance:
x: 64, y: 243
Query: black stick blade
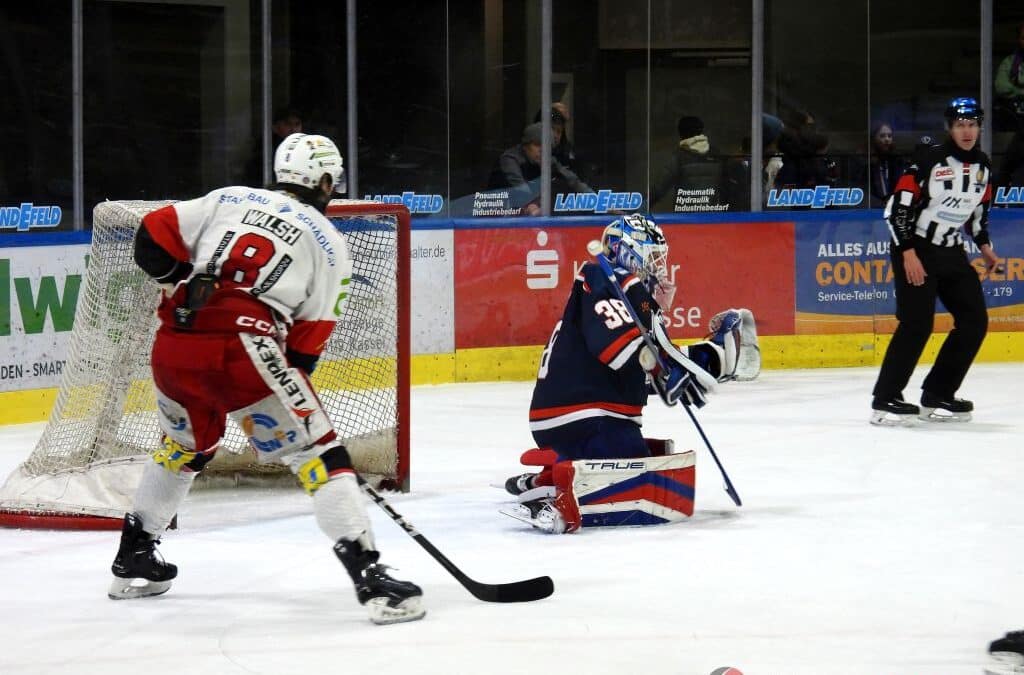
x: 527, y: 590
x: 731, y: 491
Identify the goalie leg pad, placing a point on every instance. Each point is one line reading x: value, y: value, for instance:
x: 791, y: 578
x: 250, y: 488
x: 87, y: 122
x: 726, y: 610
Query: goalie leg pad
x: 637, y: 491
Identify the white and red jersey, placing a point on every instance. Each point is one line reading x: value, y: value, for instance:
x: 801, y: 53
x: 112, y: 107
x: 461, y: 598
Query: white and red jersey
x: 263, y: 246
x: 949, y: 190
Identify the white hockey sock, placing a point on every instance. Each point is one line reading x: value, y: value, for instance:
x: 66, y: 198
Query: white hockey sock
x: 159, y: 495
x: 341, y: 512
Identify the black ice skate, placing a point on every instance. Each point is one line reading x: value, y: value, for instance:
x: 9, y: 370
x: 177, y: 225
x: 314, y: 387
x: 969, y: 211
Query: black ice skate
x: 893, y: 411
x: 1008, y: 653
x: 139, y: 569
x: 517, y: 485
x: 388, y: 600
x: 1009, y: 648
x: 936, y: 408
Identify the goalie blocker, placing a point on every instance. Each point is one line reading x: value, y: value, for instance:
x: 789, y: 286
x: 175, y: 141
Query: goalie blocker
x: 609, y: 492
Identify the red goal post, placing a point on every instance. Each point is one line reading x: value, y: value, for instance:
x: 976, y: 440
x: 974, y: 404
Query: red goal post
x: 103, y: 426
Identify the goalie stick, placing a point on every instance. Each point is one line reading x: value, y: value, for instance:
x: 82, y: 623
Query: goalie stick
x: 596, y: 250
x: 527, y: 590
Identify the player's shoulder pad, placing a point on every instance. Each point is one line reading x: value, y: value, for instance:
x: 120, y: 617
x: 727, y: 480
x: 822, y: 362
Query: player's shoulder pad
x: 592, y: 276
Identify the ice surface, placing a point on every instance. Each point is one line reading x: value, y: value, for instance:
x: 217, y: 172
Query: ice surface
x: 859, y: 550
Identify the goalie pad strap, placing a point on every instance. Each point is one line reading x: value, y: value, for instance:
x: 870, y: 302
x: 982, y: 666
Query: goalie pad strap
x: 545, y: 457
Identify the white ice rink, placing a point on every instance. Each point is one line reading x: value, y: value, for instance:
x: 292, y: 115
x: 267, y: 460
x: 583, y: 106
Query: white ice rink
x: 858, y: 550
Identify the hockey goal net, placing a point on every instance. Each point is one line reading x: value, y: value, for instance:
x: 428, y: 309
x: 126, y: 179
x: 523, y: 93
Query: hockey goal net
x: 103, y: 425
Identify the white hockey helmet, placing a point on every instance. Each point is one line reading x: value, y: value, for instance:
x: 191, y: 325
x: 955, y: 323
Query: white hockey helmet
x: 302, y: 159
x: 637, y: 244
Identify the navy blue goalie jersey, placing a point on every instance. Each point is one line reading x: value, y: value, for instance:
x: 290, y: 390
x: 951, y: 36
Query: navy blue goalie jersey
x: 590, y: 367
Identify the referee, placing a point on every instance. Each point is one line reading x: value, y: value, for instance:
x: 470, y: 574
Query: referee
x: 944, y: 191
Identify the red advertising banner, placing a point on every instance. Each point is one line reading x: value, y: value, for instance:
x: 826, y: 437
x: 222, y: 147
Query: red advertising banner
x: 511, y: 283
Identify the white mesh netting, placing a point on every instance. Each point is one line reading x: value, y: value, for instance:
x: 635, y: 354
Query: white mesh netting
x: 104, y: 424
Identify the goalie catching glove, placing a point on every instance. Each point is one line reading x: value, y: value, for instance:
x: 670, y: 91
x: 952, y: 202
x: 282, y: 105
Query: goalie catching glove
x: 681, y: 379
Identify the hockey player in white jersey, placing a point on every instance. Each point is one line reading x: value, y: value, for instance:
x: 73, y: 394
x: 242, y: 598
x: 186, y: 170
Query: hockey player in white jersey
x: 255, y: 281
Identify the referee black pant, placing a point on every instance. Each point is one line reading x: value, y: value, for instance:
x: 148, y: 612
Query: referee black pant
x: 951, y: 279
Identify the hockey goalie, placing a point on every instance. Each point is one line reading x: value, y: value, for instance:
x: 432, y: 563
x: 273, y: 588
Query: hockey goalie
x: 593, y: 466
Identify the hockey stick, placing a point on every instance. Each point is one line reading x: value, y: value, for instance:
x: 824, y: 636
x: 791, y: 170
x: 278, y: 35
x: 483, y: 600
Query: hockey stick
x: 596, y: 250
x: 516, y: 591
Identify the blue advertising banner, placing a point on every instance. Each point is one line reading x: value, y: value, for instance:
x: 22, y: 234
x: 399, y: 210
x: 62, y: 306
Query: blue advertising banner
x: 844, y: 273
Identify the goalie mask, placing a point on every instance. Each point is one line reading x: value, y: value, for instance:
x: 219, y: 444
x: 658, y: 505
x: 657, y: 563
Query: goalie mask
x: 637, y: 244
x: 302, y: 159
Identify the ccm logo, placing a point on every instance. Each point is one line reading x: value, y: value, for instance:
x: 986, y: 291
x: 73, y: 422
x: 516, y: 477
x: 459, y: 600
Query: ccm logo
x: 258, y: 324
x: 944, y: 173
x: 616, y: 465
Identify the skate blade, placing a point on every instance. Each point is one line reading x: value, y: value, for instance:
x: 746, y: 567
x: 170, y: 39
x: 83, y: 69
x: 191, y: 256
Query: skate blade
x: 127, y: 589
x: 1005, y: 663
x: 939, y: 415
x: 881, y: 418
x: 1008, y: 659
x: 522, y: 514
x: 382, y: 614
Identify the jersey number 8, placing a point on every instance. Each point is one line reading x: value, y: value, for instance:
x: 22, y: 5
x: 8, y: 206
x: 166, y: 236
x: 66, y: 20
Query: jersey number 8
x: 246, y: 258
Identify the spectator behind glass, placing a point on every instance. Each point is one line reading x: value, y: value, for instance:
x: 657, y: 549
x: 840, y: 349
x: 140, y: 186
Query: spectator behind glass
x: 562, y: 147
x: 1009, y: 87
x: 287, y: 121
x: 805, y: 160
x: 1011, y: 169
x: 690, y: 173
x: 736, y: 174
x: 884, y: 166
x: 518, y: 170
